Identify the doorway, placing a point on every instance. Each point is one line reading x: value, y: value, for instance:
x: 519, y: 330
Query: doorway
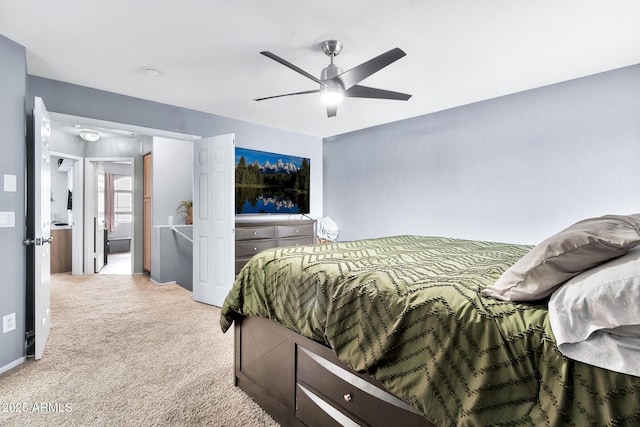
x: 66, y: 213
x: 116, y: 143
x: 109, y: 215
x: 120, y: 226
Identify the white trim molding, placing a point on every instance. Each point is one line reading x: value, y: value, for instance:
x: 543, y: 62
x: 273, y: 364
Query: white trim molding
x: 12, y: 365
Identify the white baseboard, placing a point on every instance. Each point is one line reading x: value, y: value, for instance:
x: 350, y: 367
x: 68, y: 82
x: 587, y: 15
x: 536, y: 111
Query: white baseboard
x: 173, y: 282
x: 12, y: 365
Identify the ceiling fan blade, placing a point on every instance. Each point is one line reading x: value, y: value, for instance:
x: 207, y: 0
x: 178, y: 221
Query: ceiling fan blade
x: 358, y: 91
x: 288, y: 94
x: 355, y: 75
x: 332, y: 110
x: 293, y: 67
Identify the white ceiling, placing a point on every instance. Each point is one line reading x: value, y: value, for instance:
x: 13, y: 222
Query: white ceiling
x: 458, y: 52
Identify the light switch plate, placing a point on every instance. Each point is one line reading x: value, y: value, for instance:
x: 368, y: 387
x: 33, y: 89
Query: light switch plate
x: 7, y: 219
x: 10, y: 183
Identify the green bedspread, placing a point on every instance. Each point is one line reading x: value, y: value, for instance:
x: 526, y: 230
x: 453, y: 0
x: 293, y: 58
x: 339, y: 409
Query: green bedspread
x: 407, y: 310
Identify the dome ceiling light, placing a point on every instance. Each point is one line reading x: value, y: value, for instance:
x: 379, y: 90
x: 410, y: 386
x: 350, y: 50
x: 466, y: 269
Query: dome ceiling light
x: 89, y: 135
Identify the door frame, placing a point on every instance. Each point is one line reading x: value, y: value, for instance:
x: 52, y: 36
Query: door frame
x: 77, y: 213
x: 89, y: 197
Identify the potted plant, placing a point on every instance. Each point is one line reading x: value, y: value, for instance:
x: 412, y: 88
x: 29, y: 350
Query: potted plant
x: 187, y: 207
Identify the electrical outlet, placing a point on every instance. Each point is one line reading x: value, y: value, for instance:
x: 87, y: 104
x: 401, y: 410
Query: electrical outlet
x: 8, y: 323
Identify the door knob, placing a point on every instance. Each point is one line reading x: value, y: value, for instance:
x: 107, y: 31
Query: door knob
x: 38, y: 241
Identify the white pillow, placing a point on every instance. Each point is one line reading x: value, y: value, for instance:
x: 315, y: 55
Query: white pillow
x: 595, y: 316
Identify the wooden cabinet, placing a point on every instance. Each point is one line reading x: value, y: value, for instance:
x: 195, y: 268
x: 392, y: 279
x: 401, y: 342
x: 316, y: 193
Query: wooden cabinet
x: 147, y: 213
x: 255, y: 236
x: 61, y: 254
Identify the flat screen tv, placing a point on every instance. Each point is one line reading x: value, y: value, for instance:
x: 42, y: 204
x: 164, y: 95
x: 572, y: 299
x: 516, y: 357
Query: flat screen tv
x: 271, y: 183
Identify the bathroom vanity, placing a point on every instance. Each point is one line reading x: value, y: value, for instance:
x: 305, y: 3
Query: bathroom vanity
x: 61, y: 257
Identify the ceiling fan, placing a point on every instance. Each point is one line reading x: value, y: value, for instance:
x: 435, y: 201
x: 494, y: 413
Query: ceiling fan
x: 336, y: 84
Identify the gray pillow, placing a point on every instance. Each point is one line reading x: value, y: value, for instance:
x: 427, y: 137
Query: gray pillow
x: 560, y: 257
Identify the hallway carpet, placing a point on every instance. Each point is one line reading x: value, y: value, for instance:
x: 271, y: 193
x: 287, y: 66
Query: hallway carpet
x: 124, y: 351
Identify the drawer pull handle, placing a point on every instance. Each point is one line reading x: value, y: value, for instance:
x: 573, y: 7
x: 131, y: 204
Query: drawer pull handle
x: 255, y: 233
x: 297, y: 231
x: 255, y: 249
x: 348, y: 397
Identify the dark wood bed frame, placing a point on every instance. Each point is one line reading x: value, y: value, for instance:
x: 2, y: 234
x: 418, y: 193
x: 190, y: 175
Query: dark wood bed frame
x: 300, y: 382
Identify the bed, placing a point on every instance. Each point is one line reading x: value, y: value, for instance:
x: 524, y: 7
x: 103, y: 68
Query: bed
x: 401, y: 330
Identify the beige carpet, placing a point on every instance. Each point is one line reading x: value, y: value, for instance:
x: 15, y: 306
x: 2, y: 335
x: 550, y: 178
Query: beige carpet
x: 123, y: 351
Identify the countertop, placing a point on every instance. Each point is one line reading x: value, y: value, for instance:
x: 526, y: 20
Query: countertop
x: 60, y: 227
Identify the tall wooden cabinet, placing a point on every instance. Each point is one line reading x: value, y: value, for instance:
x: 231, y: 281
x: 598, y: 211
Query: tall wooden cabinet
x: 147, y: 212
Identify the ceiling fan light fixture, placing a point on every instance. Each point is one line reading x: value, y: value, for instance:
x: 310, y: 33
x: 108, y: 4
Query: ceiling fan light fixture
x: 89, y: 135
x: 336, y: 84
x: 331, y: 95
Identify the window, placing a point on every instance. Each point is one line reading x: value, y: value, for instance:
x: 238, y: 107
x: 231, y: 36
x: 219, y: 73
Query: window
x: 123, y: 198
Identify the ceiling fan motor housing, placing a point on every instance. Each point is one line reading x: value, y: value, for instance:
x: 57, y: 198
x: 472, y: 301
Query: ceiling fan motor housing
x: 333, y: 92
x: 329, y: 73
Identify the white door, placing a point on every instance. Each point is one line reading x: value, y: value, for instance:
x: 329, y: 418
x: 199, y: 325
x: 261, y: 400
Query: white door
x: 99, y: 221
x: 213, y: 218
x: 89, y: 215
x: 93, y: 220
x: 42, y: 220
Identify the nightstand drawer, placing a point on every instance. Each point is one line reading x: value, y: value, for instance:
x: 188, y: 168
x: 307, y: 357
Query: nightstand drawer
x: 254, y: 236
x: 296, y: 241
x: 251, y: 233
x: 350, y: 394
x: 248, y: 249
x: 286, y: 231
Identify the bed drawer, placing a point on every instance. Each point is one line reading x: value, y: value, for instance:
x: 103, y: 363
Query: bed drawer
x: 327, y: 387
x: 251, y: 233
x: 286, y: 231
x: 249, y: 249
x: 313, y: 411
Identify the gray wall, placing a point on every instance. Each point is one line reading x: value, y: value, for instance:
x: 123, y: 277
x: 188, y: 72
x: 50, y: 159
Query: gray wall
x: 172, y: 255
x: 13, y: 75
x: 516, y: 168
x: 172, y: 166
